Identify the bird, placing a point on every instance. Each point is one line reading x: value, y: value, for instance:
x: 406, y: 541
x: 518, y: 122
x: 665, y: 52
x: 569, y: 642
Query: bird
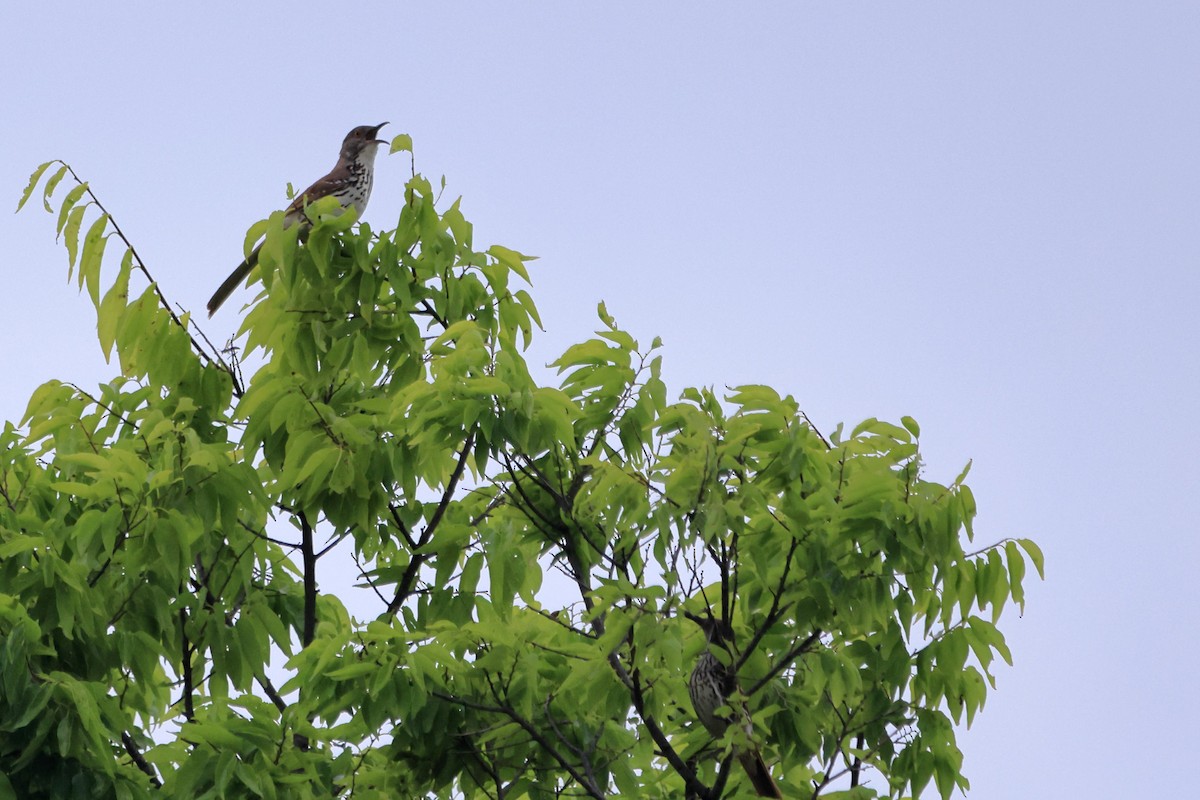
x: 711, y: 686
x: 349, y: 181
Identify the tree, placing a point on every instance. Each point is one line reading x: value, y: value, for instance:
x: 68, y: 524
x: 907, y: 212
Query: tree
x: 168, y: 542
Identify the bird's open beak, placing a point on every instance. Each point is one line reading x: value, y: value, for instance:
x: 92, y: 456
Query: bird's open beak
x: 375, y: 132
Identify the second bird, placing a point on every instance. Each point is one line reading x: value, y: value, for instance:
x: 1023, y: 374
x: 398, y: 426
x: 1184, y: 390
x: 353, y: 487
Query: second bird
x: 349, y: 181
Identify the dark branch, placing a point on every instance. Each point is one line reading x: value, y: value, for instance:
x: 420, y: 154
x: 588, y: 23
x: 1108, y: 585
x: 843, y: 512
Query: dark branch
x: 140, y: 760
x: 189, y: 708
x: 309, y: 557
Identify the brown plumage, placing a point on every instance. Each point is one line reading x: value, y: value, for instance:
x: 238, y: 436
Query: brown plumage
x: 710, y: 686
x: 349, y: 181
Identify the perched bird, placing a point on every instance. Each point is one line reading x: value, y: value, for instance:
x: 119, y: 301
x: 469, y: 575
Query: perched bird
x: 349, y: 181
x: 711, y: 687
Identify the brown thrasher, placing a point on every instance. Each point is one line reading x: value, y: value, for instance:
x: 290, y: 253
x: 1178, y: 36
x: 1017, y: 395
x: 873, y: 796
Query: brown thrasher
x: 349, y: 181
x: 712, y: 687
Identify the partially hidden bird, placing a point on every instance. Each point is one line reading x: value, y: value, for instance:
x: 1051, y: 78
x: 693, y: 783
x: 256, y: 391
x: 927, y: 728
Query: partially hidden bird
x: 349, y: 181
x: 712, y: 687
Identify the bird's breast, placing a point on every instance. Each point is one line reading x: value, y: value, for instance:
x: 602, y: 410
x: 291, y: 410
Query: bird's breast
x: 360, y: 191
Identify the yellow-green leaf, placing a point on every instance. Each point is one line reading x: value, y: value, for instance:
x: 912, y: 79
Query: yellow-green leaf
x: 33, y: 180
x: 71, y: 234
x: 401, y: 142
x: 68, y: 203
x: 93, y: 254
x: 51, y: 185
x: 115, y: 300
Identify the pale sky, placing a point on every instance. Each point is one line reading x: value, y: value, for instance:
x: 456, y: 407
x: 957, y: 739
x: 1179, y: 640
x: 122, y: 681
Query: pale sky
x: 983, y: 215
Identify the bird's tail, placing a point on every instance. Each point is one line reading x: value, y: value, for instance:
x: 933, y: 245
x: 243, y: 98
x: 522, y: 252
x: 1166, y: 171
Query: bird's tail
x: 760, y: 776
x: 233, y: 281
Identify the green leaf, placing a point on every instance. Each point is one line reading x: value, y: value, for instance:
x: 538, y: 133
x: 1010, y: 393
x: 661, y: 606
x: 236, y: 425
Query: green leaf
x: 21, y: 544
x: 33, y: 703
x: 71, y: 235
x: 68, y: 203
x: 1035, y: 555
x: 962, y: 476
x: 1016, y: 572
x: 401, y: 142
x: 317, y: 466
x: 911, y: 425
x: 511, y: 259
x: 108, y: 315
x: 93, y: 255
x: 51, y: 185
x: 33, y: 180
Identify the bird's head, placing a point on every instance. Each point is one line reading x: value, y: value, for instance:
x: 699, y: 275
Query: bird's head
x: 717, y: 631
x: 361, y: 142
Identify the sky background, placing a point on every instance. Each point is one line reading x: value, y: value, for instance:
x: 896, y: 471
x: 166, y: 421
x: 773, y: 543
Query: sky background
x: 983, y: 215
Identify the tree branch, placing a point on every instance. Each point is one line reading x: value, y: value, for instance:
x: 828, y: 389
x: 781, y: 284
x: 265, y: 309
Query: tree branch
x: 309, y: 556
x: 418, y: 558
x: 139, y: 760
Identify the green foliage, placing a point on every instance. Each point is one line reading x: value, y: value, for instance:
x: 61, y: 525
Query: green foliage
x: 169, y: 540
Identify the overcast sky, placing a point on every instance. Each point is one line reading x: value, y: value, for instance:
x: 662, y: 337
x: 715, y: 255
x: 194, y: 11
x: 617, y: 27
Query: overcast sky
x: 983, y: 215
